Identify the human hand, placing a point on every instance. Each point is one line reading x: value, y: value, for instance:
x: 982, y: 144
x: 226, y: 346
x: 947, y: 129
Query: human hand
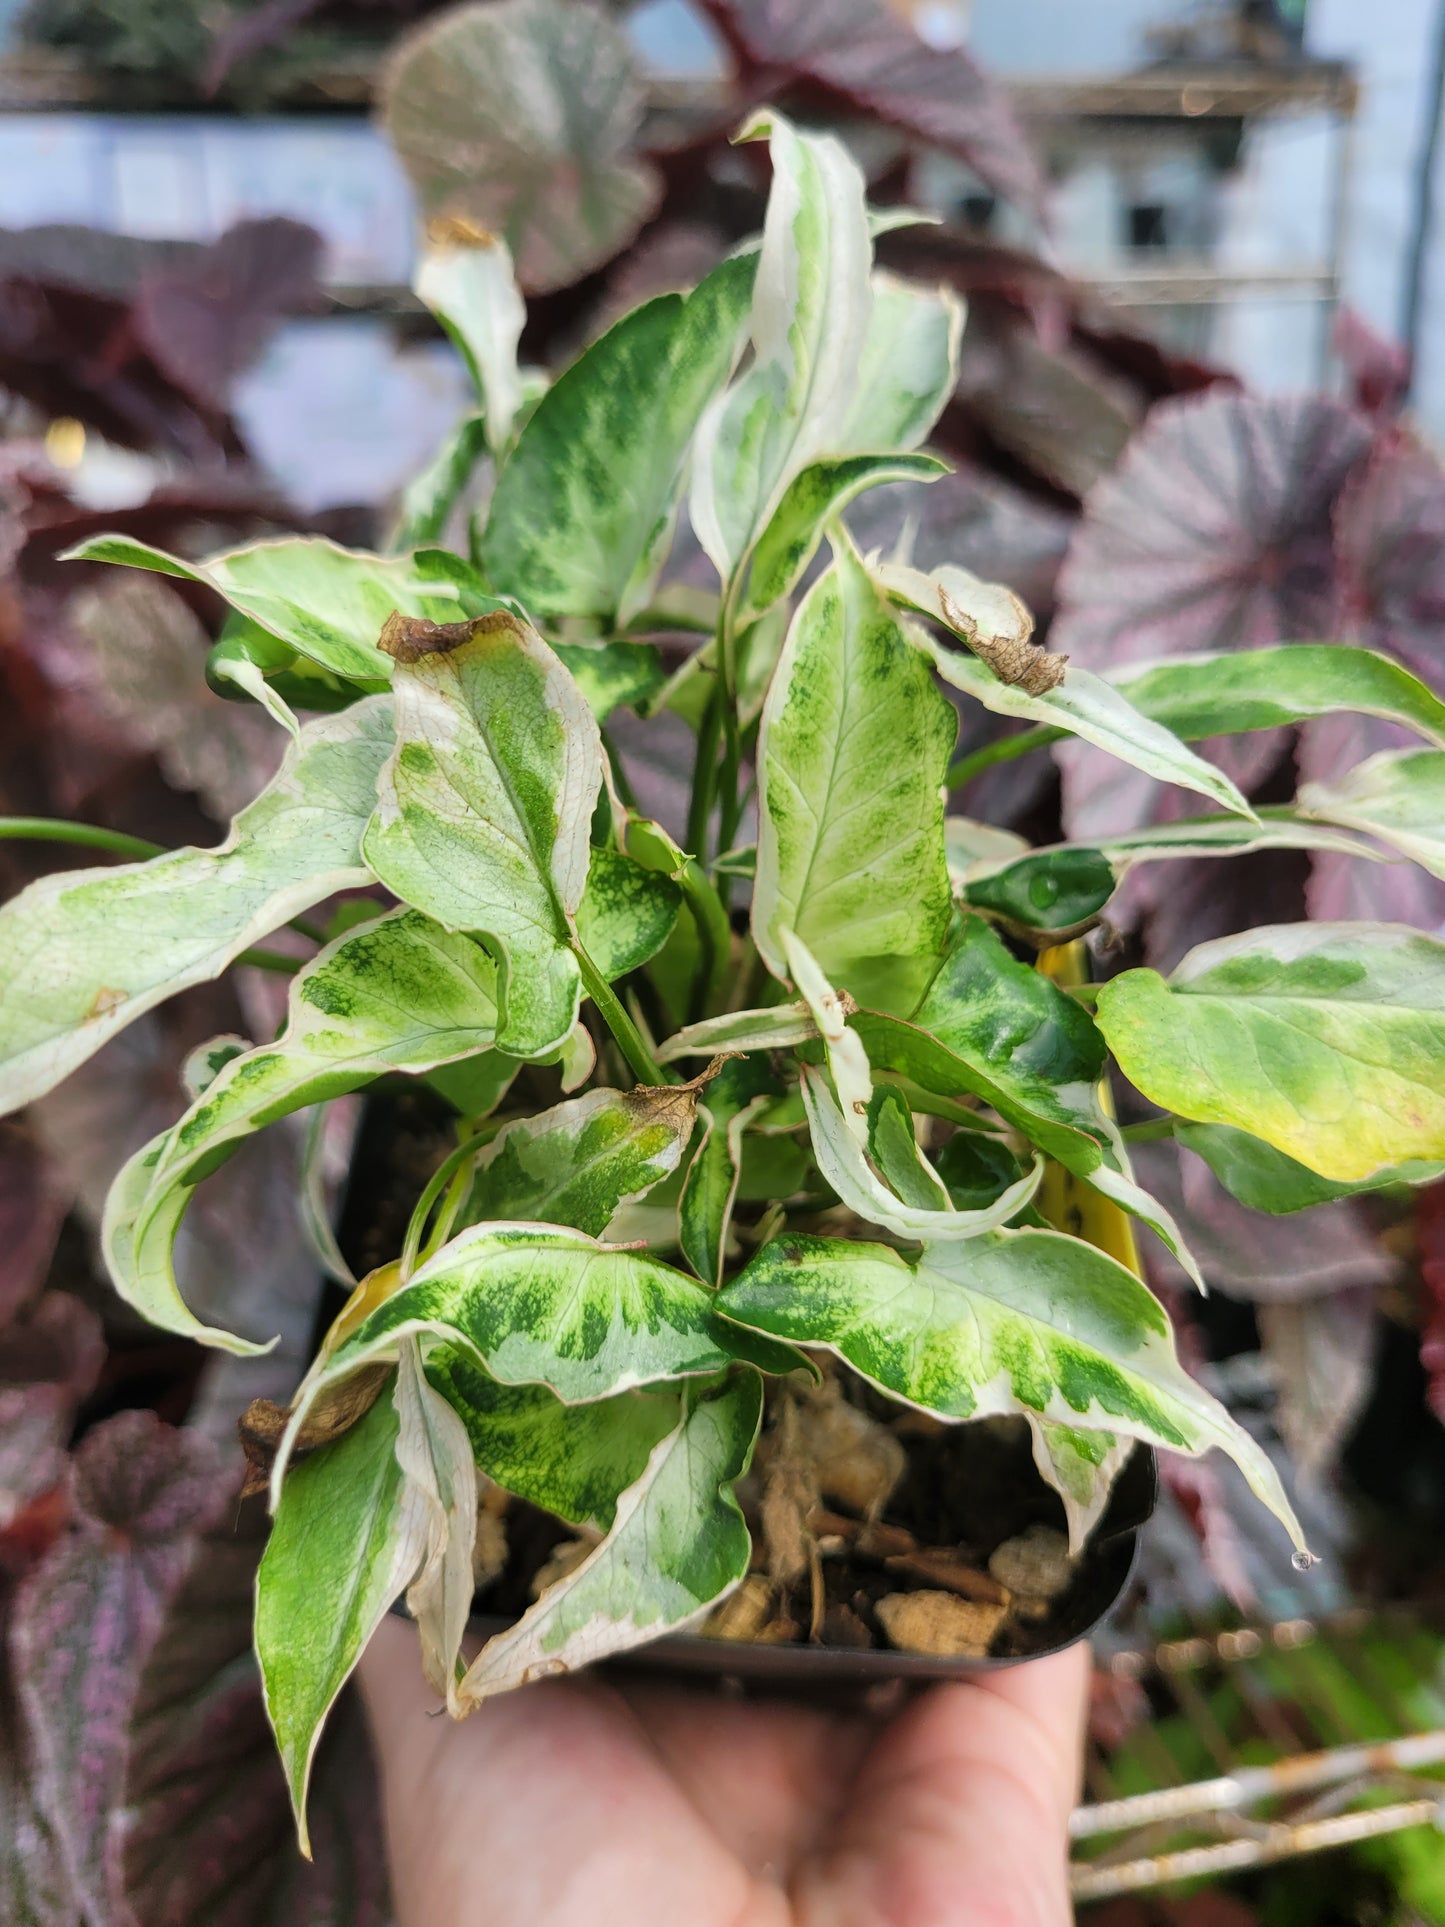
x: 585, y: 1803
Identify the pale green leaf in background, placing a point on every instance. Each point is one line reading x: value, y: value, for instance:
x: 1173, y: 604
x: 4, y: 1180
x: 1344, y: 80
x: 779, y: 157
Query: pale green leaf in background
x: 1082, y: 705
x: 571, y: 1460
x: 434, y: 1452
x: 583, y: 513
x: 341, y: 1549
x: 1018, y: 1322
x: 678, y: 1545
x: 854, y: 744
x: 1398, y: 796
x: 1326, y: 1040
x: 83, y: 953
x: 611, y: 674
x: 466, y: 279
x: 398, y: 994
x: 810, y: 315
x: 485, y: 808
x: 908, y: 367
x: 1244, y: 689
x: 576, y: 1163
x: 1267, y: 1180
x: 327, y: 602
x: 430, y: 497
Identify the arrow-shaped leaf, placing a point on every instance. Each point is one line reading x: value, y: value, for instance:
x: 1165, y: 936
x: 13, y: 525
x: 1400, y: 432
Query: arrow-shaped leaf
x: 485, y: 807
x: 1398, y: 796
x: 83, y: 953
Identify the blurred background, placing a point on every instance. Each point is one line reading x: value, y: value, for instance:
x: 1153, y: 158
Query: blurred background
x: 1200, y: 405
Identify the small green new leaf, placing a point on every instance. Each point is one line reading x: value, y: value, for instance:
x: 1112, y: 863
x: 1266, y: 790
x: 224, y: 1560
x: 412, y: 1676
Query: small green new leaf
x: 908, y: 367
x: 1245, y: 689
x: 583, y: 513
x: 1028, y: 1322
x: 397, y: 994
x: 327, y: 602
x: 341, y: 1548
x: 538, y: 1305
x: 679, y: 1544
x: 485, y: 807
x: 1398, y: 796
x: 740, y: 1091
x: 571, y: 1460
x: 1081, y: 1467
x: 83, y: 953
x: 810, y: 315
x: 1267, y: 1180
x: 612, y: 674
x: 626, y: 914
x: 432, y: 494
x: 814, y: 498
x: 575, y: 1164
x: 858, y: 1186
x: 435, y: 1455
x: 1080, y: 704
x: 1326, y: 1040
x: 854, y: 744
x: 466, y: 279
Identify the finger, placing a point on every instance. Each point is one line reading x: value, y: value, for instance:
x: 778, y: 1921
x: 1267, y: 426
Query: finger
x: 959, y: 1816
x: 548, y: 1807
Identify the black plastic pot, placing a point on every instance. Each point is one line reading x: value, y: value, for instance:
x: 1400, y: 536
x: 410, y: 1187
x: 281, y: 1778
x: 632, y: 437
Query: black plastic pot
x: 1103, y: 1575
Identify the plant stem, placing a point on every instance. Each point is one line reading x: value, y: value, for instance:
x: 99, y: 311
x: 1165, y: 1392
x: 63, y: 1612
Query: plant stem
x: 704, y: 775
x: 619, y: 774
x: 50, y: 829
x: 271, y: 960
x: 450, y: 1167
x: 628, y: 1037
x: 1086, y: 993
x: 710, y: 919
x: 1002, y: 750
x: 1150, y: 1129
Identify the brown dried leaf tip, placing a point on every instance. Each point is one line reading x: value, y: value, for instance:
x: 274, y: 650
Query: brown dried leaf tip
x: 335, y: 1411
x: 1013, y: 658
x: 408, y: 639
x: 458, y: 231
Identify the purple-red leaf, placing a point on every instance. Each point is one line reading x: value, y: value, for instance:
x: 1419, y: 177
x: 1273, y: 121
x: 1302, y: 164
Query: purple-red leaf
x: 207, y: 1831
x: 867, y: 54
x: 207, y: 319
x: 1377, y: 365
x: 1214, y: 531
x: 86, y: 1618
x: 1390, y: 541
x: 30, y: 1214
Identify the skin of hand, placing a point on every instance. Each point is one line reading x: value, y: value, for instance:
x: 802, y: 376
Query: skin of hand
x: 589, y: 1803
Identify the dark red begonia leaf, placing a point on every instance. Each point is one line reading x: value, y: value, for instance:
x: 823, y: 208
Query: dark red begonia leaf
x: 1390, y: 541
x: 868, y: 55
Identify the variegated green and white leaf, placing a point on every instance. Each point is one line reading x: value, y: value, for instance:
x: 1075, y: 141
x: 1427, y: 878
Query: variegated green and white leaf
x: 1326, y: 1040
x: 398, y: 994
x: 1267, y: 1180
x: 613, y: 674
x: 848, y: 1064
x: 575, y: 1164
x: 780, y: 1027
x: 1245, y: 689
x: 678, y: 1545
x: 854, y: 744
x: 327, y: 602
x: 1082, y: 704
x: 431, y: 496
x: 994, y: 1027
x: 435, y: 1455
x: 342, y: 1547
x: 466, y: 279
x: 845, y: 1167
x: 627, y: 913
x: 1398, y: 796
x: 1021, y: 1321
x: 908, y: 367
x: 814, y: 498
x: 740, y: 1091
x: 810, y: 315
x: 83, y: 953
x: 571, y: 1460
x: 583, y: 513
x: 485, y: 808
x: 1082, y: 1468
x: 538, y: 1305
x: 895, y: 1154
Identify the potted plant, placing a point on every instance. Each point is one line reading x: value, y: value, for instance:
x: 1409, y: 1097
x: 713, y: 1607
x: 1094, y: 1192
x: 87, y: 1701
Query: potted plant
x: 805, y: 1133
